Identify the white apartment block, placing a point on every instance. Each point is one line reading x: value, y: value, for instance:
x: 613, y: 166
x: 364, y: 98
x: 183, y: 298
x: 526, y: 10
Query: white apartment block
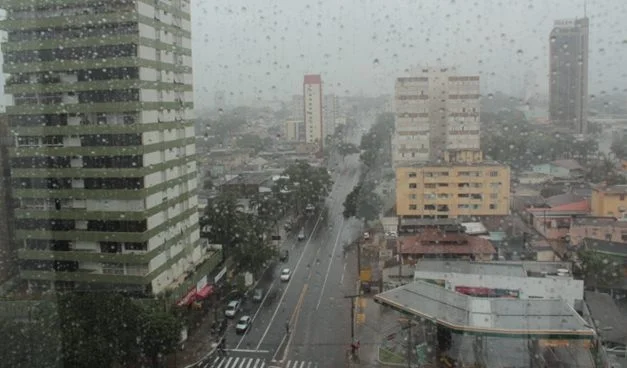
x: 436, y: 110
x: 312, y: 92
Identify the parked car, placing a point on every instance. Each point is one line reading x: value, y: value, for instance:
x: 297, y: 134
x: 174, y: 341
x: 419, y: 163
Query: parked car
x: 285, y: 274
x: 366, y: 235
x: 258, y: 295
x: 243, y: 324
x: 310, y: 208
x: 232, y: 308
x: 391, y: 234
x: 284, y: 255
x: 301, y: 234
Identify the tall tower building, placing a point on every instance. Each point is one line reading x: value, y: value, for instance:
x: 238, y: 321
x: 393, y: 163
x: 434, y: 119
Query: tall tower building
x: 330, y: 113
x: 436, y: 111
x: 568, y: 75
x: 312, y: 97
x: 104, y: 171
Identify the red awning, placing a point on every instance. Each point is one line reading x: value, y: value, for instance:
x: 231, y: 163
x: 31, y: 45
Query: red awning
x: 204, y: 292
x: 188, y: 299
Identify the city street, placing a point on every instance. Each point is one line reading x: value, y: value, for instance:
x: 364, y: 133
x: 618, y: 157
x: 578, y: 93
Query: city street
x: 311, y: 303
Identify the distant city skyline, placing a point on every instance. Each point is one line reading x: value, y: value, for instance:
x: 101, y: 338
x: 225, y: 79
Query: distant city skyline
x: 259, y: 51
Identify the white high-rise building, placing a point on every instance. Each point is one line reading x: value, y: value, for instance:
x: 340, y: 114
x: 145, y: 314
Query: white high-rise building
x: 312, y: 97
x: 104, y: 167
x: 436, y: 111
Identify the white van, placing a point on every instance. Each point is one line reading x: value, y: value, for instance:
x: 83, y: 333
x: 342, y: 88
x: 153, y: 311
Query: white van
x: 301, y: 234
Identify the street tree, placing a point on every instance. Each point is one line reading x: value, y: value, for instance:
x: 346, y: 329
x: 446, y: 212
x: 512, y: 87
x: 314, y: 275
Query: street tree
x: 598, y: 270
x: 306, y: 184
x: 619, y: 147
x: 220, y: 223
x: 363, y: 203
x: 159, y: 335
x: 346, y: 149
x: 254, y: 250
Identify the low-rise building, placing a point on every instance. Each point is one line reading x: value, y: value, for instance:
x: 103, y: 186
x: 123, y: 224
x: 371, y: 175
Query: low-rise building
x: 529, y: 280
x: 553, y: 219
x: 609, y: 200
x: 566, y: 169
x: 433, y: 243
x: 601, y: 228
x: 452, y: 189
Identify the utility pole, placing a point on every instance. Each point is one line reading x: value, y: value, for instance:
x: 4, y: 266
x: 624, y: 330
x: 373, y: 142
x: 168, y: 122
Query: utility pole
x: 352, y: 298
x: 409, y: 343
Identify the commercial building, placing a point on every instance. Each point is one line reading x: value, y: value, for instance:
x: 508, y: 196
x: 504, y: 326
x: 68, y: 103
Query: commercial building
x: 568, y: 75
x: 519, y: 280
x: 433, y: 243
x: 452, y: 189
x: 312, y: 91
x: 609, y: 200
x: 436, y: 110
x: 103, y: 168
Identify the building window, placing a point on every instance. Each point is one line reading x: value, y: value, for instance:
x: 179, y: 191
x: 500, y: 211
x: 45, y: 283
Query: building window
x: 412, y: 174
x: 442, y: 185
x: 622, y: 197
x: 429, y: 207
x: 412, y: 185
x: 494, y: 173
x: 494, y: 195
x: 412, y: 196
x: 430, y: 186
x: 413, y: 207
x: 492, y: 206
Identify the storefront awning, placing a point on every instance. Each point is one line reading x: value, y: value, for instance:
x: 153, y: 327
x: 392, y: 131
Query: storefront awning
x: 204, y: 292
x: 188, y: 299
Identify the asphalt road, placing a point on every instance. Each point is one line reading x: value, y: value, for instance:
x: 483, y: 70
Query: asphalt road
x: 312, y: 302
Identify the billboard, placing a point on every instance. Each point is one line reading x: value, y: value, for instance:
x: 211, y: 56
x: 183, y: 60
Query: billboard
x: 488, y: 292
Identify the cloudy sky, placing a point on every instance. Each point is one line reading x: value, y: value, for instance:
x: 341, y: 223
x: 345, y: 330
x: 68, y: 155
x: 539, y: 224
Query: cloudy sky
x: 260, y: 49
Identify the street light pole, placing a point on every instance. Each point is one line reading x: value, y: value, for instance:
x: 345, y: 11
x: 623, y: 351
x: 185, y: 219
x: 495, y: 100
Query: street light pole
x: 352, y: 298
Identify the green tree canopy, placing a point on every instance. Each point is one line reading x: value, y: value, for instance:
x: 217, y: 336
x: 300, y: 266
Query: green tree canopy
x: 598, y: 270
x: 619, y: 147
x: 305, y: 184
x: 363, y: 203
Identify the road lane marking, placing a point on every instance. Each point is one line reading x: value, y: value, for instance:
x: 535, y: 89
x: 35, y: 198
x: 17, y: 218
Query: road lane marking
x: 247, y: 351
x: 292, y: 323
x: 276, y: 310
x: 256, y: 313
x: 326, y: 277
x: 343, y: 272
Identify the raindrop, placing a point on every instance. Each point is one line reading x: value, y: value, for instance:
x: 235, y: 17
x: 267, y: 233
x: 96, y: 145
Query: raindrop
x: 519, y: 52
x: 375, y: 61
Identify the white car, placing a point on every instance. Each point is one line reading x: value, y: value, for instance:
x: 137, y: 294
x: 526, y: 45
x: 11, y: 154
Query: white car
x: 285, y: 274
x: 392, y: 234
x: 232, y: 308
x: 243, y: 324
x: 301, y: 234
x: 366, y: 235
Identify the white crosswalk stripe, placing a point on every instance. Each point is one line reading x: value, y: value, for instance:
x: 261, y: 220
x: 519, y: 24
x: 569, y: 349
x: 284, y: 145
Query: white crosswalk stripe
x: 237, y: 362
x: 300, y: 364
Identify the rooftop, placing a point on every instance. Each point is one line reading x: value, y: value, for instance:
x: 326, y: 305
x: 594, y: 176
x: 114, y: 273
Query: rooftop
x: 249, y: 179
x: 568, y: 164
x: 432, y: 241
x: 487, y: 316
x: 437, y: 164
x: 598, y: 221
x: 607, y: 317
x: 612, y: 189
x: 501, y: 268
x: 606, y: 246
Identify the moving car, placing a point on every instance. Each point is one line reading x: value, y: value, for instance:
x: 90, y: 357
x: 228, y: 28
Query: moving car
x: 284, y: 255
x: 232, y: 308
x: 243, y: 324
x: 285, y: 274
x: 366, y: 235
x: 310, y: 208
x: 301, y: 234
x: 258, y: 295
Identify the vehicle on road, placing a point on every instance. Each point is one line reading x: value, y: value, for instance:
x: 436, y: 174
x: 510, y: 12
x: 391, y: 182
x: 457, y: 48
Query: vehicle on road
x: 391, y: 234
x: 243, y: 324
x: 285, y: 274
x: 366, y: 235
x: 287, y: 226
x: 301, y: 234
x: 232, y: 308
x: 310, y: 208
x: 258, y: 295
x: 284, y: 255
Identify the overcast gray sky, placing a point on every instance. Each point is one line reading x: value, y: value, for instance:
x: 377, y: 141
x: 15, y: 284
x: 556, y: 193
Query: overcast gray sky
x: 260, y: 49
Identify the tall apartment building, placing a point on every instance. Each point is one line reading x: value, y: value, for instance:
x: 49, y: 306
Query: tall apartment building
x: 568, y: 75
x: 330, y: 113
x: 104, y: 171
x: 312, y: 97
x: 436, y: 111
x: 297, y: 107
x: 461, y: 185
x: 7, y: 249
x: 293, y: 130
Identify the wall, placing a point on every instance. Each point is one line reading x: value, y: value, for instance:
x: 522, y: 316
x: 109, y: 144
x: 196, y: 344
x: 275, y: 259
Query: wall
x: 606, y: 204
x: 615, y: 233
x: 452, y: 186
x: 564, y: 288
